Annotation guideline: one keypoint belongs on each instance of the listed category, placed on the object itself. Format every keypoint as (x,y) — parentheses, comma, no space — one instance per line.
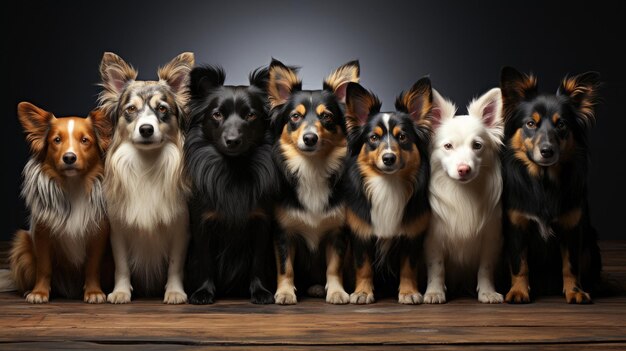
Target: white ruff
(388,196)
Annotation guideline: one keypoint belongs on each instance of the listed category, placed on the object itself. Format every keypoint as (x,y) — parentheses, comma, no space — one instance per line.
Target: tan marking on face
(536,117)
(367,162)
(358,226)
(320,109)
(301,109)
(555,117)
(291,137)
(521,147)
(378,131)
(332,143)
(411,159)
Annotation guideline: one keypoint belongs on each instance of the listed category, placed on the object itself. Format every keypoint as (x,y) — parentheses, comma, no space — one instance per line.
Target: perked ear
(417,101)
(115,74)
(176,72)
(337,82)
(441,110)
(259,78)
(283,81)
(36,123)
(102,127)
(360,104)
(488,107)
(583,93)
(516,87)
(204,79)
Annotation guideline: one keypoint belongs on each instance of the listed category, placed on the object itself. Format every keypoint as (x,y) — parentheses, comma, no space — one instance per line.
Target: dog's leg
(285,288)
(516,226)
(571,234)
(41,291)
(364,282)
(435,263)
(491,248)
(200,267)
(95,253)
(335,249)
(259,294)
(179,239)
(408,292)
(122,290)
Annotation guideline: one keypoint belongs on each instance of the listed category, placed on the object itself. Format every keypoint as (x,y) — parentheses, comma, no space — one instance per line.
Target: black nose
(69,158)
(146,130)
(547,151)
(309,139)
(389,159)
(232,141)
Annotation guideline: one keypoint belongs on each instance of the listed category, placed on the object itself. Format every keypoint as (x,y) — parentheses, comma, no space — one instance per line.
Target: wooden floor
(548,323)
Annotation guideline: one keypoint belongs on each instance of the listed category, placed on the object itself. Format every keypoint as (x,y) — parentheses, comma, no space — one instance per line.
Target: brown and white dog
(63,191)
(144,187)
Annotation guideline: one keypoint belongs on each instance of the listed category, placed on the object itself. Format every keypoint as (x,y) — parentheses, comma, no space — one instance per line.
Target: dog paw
(202,297)
(119,297)
(577,296)
(262,297)
(175,297)
(362,297)
(338,297)
(410,298)
(316,291)
(490,297)
(517,296)
(435,297)
(94,296)
(285,298)
(37,297)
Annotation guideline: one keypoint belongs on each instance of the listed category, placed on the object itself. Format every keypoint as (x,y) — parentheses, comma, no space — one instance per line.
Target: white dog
(465,234)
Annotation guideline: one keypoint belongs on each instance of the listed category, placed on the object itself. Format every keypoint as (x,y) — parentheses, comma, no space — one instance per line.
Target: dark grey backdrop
(53,50)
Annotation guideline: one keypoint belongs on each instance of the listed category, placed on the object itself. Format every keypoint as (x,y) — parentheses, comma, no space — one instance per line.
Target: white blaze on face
(70,133)
(386,123)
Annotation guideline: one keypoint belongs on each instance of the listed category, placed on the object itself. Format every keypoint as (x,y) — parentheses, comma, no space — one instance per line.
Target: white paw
(435,297)
(410,298)
(175,297)
(362,298)
(35,297)
(338,297)
(119,297)
(285,298)
(490,297)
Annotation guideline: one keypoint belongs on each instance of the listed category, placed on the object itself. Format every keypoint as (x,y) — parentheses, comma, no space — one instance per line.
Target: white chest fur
(388,197)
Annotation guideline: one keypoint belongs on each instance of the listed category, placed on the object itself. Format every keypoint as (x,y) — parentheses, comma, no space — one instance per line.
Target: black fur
(230,250)
(548,197)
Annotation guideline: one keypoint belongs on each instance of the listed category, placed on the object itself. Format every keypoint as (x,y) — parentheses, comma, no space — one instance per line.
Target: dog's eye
(447,146)
(477,145)
(84,141)
(162,109)
(374,138)
(131,109)
(251,116)
(560,124)
(402,137)
(295,117)
(531,124)
(217,116)
(327,117)
(57,140)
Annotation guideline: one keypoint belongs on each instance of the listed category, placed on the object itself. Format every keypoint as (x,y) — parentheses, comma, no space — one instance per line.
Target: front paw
(175,297)
(202,297)
(94,296)
(362,297)
(410,298)
(338,297)
(38,297)
(435,297)
(577,296)
(118,297)
(490,297)
(517,296)
(261,296)
(285,298)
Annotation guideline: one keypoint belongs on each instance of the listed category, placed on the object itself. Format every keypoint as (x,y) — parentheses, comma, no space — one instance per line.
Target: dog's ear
(260,78)
(115,74)
(488,107)
(176,72)
(360,104)
(417,101)
(582,91)
(283,81)
(441,110)
(204,79)
(516,87)
(102,127)
(36,124)
(337,82)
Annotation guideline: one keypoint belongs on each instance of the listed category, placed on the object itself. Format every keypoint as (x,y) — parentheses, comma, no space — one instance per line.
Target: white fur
(388,197)
(465,229)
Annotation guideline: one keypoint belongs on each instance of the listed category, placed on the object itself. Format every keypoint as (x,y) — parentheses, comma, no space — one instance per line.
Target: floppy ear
(176,72)
(441,110)
(360,104)
(488,107)
(583,93)
(418,101)
(337,82)
(115,74)
(102,127)
(36,123)
(282,81)
(516,87)
(204,79)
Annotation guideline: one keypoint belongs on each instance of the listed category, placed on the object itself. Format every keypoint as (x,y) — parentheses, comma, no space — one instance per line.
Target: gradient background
(54,49)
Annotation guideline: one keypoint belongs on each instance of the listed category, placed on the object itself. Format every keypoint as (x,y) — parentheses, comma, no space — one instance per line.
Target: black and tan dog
(387,193)
(545,163)
(310,150)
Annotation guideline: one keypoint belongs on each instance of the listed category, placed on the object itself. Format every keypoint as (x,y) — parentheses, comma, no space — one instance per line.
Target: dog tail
(22,261)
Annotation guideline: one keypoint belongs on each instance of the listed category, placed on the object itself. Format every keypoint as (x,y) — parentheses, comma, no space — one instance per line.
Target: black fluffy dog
(228,155)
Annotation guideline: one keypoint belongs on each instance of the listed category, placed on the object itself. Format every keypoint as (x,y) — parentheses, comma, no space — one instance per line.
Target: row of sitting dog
(270,191)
